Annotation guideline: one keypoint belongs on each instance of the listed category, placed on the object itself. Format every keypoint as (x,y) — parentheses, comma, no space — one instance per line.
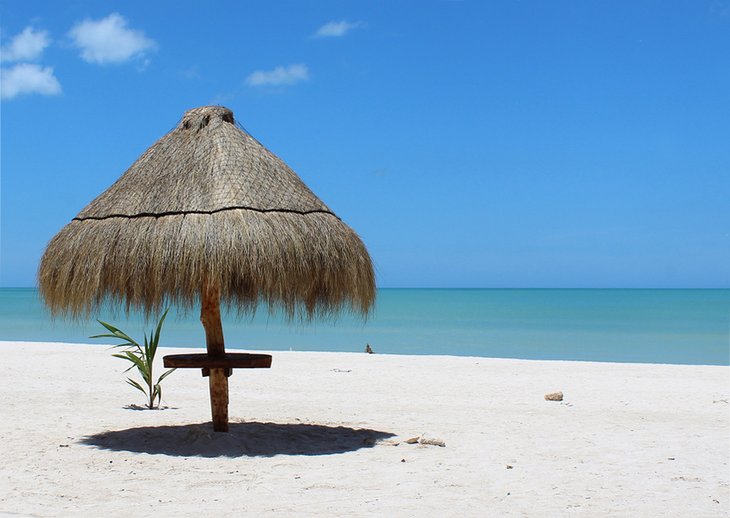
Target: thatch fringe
(309,266)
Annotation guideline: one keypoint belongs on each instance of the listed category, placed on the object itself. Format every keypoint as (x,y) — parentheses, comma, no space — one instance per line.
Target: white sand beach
(323,434)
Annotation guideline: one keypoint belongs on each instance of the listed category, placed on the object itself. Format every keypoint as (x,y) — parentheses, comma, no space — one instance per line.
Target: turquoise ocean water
(656,326)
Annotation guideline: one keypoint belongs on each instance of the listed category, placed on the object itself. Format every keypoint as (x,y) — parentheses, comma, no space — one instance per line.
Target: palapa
(208,215)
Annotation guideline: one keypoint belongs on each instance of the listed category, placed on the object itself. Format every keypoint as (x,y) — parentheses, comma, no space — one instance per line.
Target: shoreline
(164,349)
(325,433)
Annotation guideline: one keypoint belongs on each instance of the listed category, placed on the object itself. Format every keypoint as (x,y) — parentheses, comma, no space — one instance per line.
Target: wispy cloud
(280,76)
(191,73)
(336,29)
(720,8)
(109,40)
(26,46)
(28,78)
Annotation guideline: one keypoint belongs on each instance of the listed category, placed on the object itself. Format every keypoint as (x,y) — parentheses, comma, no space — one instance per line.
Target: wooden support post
(210,316)
(218,385)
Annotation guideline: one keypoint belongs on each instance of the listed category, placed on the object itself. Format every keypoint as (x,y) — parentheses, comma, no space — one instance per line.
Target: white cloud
(336,29)
(26,46)
(109,40)
(280,76)
(27,78)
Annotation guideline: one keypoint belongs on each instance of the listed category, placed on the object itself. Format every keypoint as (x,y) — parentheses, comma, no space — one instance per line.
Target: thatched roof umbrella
(208,215)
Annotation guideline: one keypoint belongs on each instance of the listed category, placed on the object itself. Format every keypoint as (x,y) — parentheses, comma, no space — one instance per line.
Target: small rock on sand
(428,441)
(554,396)
(432,442)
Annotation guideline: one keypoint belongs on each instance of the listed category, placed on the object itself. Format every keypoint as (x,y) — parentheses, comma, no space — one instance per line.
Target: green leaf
(117,333)
(125,357)
(148,354)
(156,339)
(165,375)
(136,385)
(157,393)
(129,355)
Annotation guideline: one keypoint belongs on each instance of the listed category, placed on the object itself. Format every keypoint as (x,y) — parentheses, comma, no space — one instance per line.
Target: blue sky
(469,143)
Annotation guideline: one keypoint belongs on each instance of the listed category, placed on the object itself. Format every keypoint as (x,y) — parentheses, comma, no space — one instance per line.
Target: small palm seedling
(141,357)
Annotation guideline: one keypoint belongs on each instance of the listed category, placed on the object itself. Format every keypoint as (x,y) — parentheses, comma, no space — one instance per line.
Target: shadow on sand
(242,440)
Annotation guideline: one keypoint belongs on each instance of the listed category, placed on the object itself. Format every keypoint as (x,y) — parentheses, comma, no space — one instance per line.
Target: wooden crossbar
(227,362)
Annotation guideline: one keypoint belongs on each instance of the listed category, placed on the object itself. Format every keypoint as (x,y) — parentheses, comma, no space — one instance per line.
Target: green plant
(141,357)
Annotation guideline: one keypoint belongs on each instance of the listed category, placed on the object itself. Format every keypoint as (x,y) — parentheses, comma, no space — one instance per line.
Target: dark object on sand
(368,349)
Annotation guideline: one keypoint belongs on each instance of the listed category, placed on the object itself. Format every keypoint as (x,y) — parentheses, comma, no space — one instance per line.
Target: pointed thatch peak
(199,118)
(205,165)
(207,204)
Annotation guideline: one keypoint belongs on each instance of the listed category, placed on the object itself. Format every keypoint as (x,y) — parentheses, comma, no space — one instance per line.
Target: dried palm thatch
(207,205)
